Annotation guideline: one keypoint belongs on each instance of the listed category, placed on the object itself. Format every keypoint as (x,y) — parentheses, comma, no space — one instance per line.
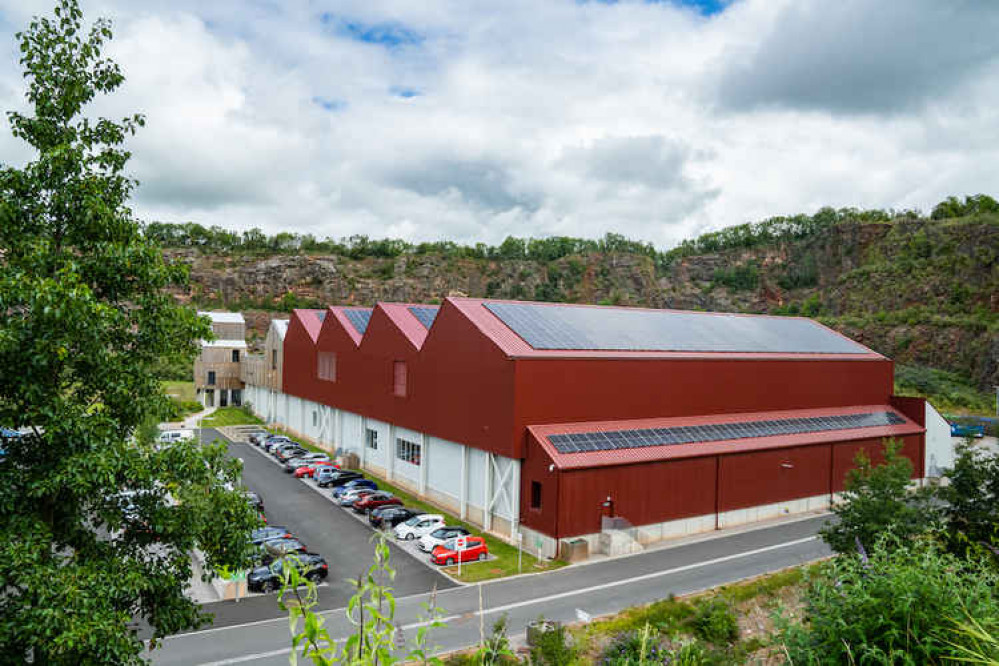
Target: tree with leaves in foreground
(96,528)
(877,498)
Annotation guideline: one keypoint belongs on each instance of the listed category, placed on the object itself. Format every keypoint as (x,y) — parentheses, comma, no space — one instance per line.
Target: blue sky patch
(389,34)
(404,92)
(329,104)
(706,7)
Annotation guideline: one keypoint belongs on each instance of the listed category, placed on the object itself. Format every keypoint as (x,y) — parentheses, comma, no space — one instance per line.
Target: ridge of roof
(311,320)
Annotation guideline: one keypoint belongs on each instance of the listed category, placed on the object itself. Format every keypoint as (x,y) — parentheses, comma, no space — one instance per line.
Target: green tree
(96,528)
(901,605)
(877,499)
(971,500)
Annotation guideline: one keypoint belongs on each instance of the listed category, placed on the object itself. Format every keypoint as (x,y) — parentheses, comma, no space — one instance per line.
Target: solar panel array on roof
(425,314)
(623,329)
(632,439)
(358,318)
(321,314)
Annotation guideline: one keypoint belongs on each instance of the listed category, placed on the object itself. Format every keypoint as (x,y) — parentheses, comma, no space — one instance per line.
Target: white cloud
(548,117)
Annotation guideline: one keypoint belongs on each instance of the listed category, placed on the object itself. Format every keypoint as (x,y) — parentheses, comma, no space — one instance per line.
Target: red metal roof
(589,459)
(516,347)
(406,321)
(311,321)
(336,312)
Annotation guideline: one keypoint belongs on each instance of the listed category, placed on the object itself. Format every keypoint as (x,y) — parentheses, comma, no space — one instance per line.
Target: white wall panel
(444,472)
(476,477)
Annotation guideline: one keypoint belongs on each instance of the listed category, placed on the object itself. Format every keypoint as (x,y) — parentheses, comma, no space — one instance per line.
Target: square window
(211,378)
(235,356)
(536,495)
(407,451)
(274,359)
(326,366)
(371,438)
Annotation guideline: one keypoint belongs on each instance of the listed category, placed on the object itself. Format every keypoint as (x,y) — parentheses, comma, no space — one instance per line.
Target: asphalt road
(324,528)
(592,589)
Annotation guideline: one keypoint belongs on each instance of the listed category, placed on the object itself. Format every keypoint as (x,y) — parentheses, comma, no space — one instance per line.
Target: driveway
(324,528)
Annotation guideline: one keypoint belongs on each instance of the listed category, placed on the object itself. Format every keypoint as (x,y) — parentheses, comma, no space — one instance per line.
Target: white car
(417,526)
(439,536)
(172,436)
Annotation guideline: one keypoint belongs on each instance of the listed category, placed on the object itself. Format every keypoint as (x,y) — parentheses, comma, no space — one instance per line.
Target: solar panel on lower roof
(321,315)
(425,314)
(605,440)
(358,318)
(622,329)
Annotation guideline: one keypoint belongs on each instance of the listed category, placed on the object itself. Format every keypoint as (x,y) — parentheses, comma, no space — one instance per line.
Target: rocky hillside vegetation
(923,290)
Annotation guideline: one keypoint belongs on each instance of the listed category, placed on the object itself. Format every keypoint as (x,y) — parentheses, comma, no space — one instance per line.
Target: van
(173,436)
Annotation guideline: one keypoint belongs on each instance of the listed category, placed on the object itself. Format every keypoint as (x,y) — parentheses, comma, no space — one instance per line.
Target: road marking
(518,604)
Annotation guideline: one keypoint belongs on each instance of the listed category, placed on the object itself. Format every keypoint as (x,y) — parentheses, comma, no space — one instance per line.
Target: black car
(389,516)
(257,537)
(269,578)
(275,549)
(337,477)
(284,444)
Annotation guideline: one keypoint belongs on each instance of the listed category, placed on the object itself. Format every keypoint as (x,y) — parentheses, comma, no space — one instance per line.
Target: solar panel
(321,315)
(607,440)
(425,314)
(622,329)
(358,318)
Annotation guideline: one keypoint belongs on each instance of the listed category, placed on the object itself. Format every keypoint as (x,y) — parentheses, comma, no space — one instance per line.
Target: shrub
(553,648)
(715,622)
(899,605)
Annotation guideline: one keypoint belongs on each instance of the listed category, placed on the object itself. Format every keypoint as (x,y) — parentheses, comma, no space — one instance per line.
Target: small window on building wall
(536,495)
(371,438)
(235,356)
(211,378)
(326,366)
(274,359)
(315,418)
(399,379)
(407,451)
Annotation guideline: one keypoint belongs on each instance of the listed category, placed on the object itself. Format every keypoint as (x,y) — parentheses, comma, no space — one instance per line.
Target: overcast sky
(471,121)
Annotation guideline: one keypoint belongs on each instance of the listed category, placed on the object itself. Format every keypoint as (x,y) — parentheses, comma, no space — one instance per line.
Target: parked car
(417,526)
(335,477)
(966,430)
(292,464)
(310,468)
(351,485)
(375,500)
(275,440)
(255,500)
(257,437)
(447,553)
(441,535)
(276,548)
(389,516)
(259,536)
(269,577)
(348,498)
(288,452)
(173,436)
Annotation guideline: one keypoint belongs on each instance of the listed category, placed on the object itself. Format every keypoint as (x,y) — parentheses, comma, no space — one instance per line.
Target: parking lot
(343,540)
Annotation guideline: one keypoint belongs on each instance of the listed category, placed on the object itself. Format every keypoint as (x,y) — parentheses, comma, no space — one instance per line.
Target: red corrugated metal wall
(559,390)
(671,490)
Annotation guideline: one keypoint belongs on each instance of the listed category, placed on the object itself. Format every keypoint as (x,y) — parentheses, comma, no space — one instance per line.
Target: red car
(376,500)
(310,469)
(475,549)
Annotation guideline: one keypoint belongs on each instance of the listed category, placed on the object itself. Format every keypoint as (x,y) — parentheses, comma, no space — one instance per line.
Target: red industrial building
(570,421)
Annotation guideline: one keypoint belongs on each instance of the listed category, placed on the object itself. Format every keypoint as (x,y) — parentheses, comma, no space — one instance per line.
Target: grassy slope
(180,390)
(229,416)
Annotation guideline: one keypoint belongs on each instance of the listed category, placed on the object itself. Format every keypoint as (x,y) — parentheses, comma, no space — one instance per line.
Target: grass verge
(182,391)
(230,416)
(505,562)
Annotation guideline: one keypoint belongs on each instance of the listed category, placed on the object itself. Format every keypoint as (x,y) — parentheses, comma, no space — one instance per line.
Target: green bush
(898,605)
(553,648)
(715,621)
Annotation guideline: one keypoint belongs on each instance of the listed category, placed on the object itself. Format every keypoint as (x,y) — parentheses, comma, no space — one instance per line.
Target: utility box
(350,461)
(575,550)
